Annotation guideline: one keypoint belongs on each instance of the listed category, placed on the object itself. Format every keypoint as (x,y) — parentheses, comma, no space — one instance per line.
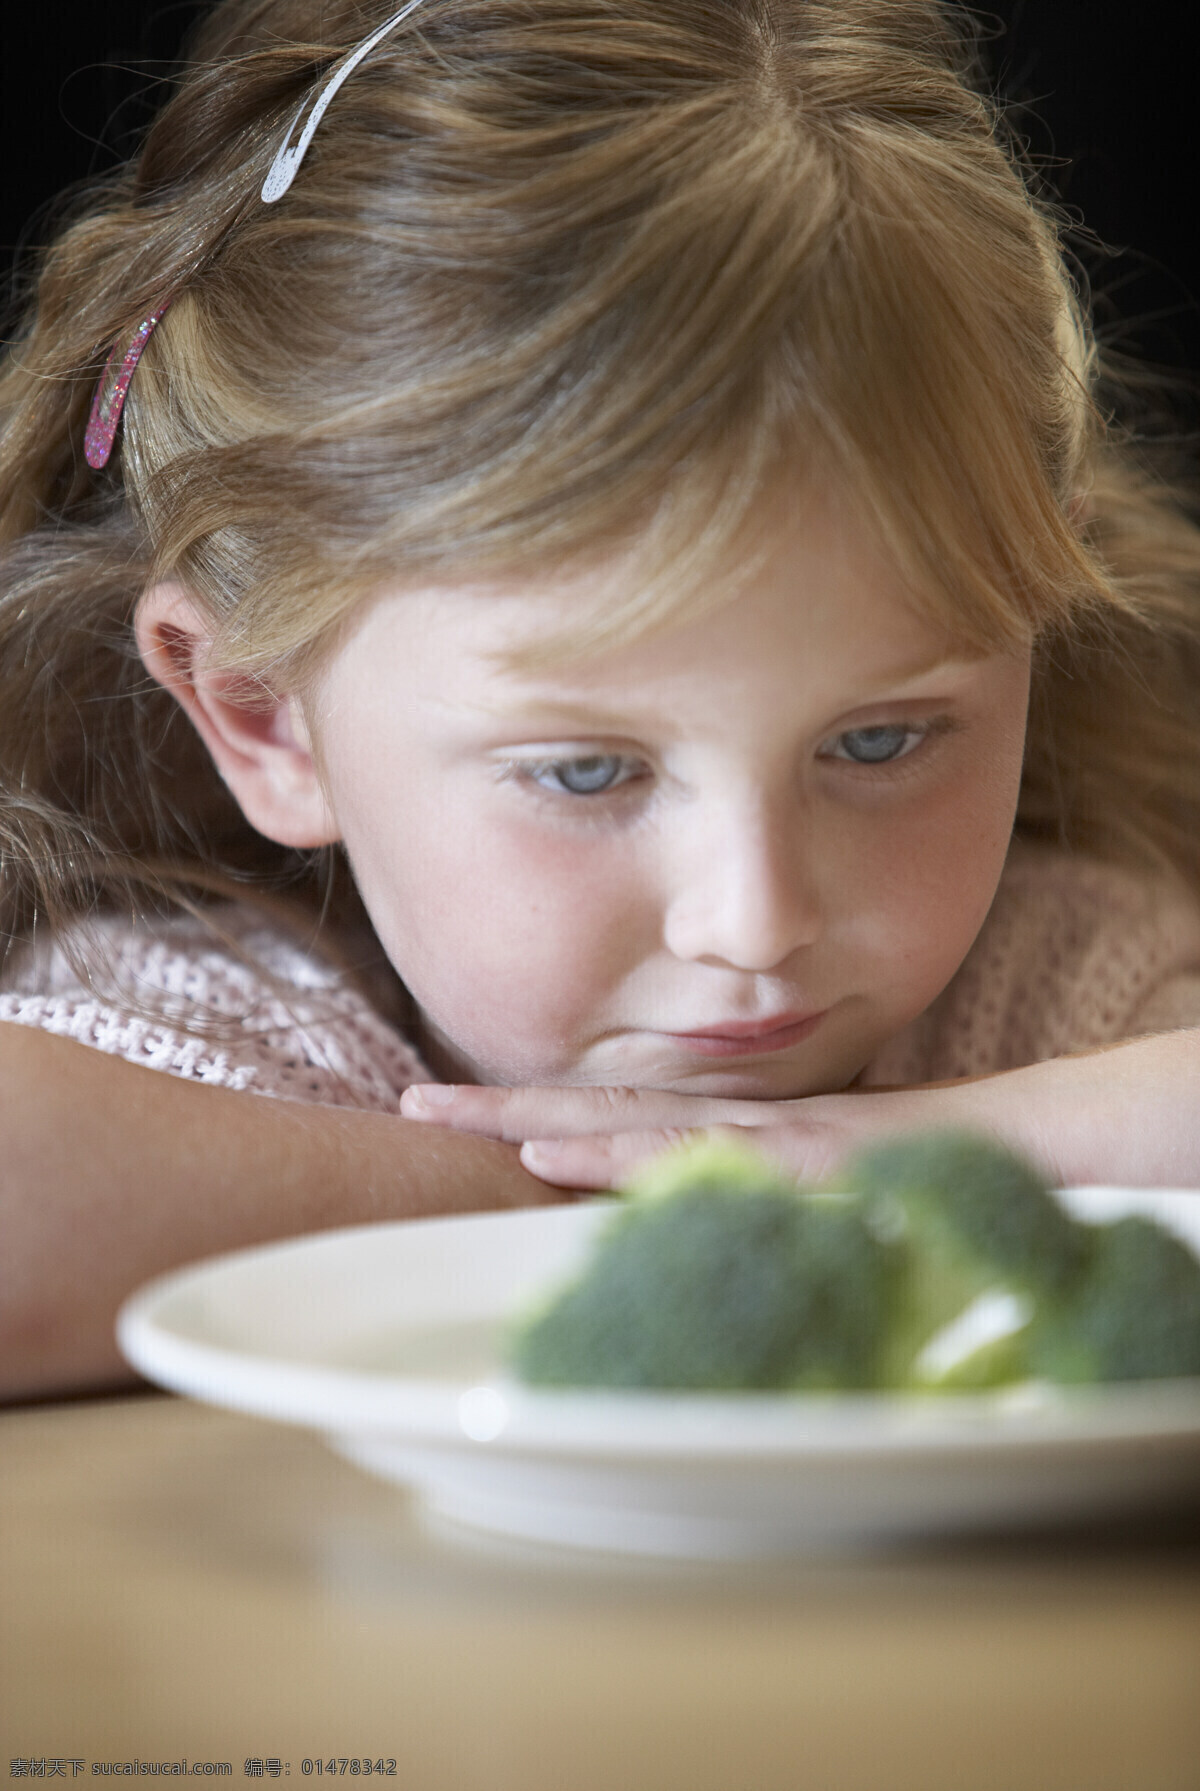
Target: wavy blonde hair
(559,274)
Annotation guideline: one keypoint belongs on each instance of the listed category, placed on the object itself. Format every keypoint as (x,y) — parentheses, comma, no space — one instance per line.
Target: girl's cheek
(560,870)
(920,876)
(530,911)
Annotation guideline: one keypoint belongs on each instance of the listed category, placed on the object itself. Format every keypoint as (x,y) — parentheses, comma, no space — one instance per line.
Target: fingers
(512,1115)
(808,1151)
(592,1138)
(606,1161)
(597,1137)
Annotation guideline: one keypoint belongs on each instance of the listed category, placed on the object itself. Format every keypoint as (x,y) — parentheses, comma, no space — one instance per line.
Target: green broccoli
(1134,1314)
(936,1261)
(975,1203)
(984,1241)
(718,1275)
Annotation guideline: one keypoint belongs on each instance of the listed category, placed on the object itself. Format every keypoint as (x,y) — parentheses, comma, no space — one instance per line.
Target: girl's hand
(595,1137)
(1125,1114)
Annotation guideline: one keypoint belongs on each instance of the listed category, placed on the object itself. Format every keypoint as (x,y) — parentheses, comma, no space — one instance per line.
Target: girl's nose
(744,895)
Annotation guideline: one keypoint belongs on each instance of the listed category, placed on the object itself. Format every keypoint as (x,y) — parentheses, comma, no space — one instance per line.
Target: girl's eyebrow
(558,711)
(939,665)
(537,709)
(892,683)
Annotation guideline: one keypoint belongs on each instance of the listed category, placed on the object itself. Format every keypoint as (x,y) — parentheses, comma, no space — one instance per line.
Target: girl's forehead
(807,541)
(817,600)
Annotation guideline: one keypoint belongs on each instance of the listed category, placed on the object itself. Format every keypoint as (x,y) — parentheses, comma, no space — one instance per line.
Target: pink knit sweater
(1073,954)
(255,1010)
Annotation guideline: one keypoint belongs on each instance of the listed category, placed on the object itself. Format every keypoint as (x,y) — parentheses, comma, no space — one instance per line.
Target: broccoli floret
(937,1261)
(976,1203)
(846,1280)
(998,1363)
(719,1275)
(976,1220)
(1135,1314)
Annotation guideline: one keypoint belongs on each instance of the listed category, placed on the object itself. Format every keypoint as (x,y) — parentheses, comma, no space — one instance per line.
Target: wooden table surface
(177,1582)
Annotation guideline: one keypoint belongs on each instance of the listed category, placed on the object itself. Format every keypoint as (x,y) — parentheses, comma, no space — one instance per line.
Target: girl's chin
(761,1079)
(649,1060)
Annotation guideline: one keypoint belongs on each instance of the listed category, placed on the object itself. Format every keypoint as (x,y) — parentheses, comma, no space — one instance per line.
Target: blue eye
(581,777)
(876,746)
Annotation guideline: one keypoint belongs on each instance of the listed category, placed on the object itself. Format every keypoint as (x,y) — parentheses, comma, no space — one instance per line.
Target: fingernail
(541,1151)
(423,1095)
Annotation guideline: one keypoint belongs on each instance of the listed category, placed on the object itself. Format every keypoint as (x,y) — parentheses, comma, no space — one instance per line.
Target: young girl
(613,606)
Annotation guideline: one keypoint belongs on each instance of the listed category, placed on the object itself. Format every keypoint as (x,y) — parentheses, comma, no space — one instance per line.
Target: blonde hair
(557,277)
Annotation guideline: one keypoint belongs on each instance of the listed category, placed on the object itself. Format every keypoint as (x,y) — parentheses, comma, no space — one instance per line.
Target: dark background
(1113,120)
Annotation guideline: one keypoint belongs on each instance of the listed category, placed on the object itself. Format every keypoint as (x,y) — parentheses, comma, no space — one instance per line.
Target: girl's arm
(1127,1114)
(112,1173)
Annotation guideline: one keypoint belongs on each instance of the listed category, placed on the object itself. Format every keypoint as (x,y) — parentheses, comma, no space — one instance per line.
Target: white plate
(385,1337)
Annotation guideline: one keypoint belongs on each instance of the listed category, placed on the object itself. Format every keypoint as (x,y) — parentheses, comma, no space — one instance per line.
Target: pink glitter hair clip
(109,401)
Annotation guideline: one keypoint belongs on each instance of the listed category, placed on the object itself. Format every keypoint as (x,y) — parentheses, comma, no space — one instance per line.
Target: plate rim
(600,1424)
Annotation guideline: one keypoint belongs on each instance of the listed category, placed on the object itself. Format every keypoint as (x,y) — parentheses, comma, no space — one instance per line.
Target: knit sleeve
(235,1003)
(1073,955)
(1175,1004)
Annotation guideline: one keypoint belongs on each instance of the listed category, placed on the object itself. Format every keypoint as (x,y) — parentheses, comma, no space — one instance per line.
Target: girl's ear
(257,738)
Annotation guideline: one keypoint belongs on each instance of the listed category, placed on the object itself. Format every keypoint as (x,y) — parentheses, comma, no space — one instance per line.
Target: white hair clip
(286,165)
